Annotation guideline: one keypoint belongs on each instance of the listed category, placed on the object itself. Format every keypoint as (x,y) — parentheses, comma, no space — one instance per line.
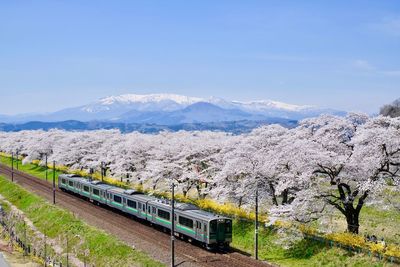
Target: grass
(33,169)
(105,250)
(302,253)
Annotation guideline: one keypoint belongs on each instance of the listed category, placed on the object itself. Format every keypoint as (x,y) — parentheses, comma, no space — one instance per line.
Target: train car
(190,222)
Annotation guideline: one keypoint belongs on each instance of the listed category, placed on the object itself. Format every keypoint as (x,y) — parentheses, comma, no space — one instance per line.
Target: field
(303,253)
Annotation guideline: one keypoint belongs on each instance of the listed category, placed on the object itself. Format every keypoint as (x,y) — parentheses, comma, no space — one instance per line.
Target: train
(190,222)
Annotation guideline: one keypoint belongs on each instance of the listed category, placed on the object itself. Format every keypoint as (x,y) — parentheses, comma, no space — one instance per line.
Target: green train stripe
(163,220)
(86,193)
(117,204)
(132,209)
(95,196)
(185,229)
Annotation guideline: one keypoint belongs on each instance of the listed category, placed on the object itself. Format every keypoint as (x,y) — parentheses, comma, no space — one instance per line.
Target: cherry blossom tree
(301,173)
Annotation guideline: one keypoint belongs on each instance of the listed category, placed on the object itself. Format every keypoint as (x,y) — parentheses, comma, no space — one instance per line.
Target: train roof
(74,177)
(188,209)
(145,198)
(102,185)
(205,215)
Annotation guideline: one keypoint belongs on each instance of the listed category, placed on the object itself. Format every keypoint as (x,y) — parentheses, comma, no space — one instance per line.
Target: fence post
(54,182)
(46,166)
(12,166)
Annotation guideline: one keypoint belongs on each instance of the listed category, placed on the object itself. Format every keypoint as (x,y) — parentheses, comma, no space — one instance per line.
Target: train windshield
(228,226)
(213,227)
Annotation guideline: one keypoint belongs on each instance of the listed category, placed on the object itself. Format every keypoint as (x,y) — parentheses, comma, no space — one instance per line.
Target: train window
(213,227)
(175,217)
(86,188)
(148,209)
(131,204)
(63,181)
(228,226)
(205,228)
(164,214)
(140,205)
(117,199)
(186,222)
(71,183)
(154,210)
(96,192)
(198,225)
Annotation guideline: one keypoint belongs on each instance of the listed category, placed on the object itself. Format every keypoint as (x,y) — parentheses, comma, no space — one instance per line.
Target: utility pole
(26,242)
(45,248)
(102,171)
(67,250)
(46,167)
(256,227)
(54,182)
(17,158)
(173,226)
(12,166)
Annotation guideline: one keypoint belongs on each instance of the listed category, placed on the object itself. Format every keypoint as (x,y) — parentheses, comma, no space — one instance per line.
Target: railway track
(133,232)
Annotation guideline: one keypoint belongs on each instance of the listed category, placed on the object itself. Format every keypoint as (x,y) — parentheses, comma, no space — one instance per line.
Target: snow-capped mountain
(152,102)
(171,109)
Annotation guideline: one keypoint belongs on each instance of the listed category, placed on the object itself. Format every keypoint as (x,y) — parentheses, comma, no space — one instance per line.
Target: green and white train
(191,223)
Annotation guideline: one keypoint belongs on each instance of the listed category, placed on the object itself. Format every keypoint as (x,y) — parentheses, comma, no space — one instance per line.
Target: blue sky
(340,54)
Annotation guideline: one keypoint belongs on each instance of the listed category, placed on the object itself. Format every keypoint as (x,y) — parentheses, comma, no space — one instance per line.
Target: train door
(108,197)
(144,210)
(101,195)
(221,230)
(205,233)
(199,230)
(153,214)
(149,215)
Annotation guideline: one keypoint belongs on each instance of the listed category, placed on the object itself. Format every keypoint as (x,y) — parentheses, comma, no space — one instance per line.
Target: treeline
(391,110)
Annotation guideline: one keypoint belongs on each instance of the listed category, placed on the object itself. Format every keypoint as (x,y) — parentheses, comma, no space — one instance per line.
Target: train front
(220,234)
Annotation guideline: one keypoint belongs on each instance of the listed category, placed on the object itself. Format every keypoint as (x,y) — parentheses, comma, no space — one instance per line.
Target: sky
(338,54)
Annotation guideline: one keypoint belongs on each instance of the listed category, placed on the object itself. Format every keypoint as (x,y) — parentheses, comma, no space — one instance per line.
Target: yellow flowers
(347,239)
(358,241)
(392,250)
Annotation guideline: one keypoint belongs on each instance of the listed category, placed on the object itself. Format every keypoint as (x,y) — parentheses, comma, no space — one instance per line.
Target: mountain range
(157,112)
(170,109)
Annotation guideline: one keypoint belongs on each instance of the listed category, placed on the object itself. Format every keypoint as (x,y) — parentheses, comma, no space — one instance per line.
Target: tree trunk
(353,213)
(285,196)
(345,204)
(274,200)
(352,219)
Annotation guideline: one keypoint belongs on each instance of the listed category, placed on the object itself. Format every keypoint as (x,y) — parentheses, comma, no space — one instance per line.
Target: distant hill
(235,127)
